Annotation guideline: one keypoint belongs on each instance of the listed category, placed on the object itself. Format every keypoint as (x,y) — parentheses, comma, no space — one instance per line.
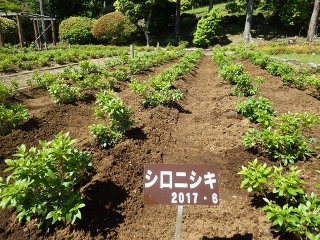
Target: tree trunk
(313,22)
(247,28)
(177,23)
(146,29)
(1,36)
(210,5)
(42,12)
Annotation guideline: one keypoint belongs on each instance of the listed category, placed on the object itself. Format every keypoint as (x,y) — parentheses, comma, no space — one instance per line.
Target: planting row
(45,183)
(158,90)
(301,78)
(28,60)
(14,59)
(283,138)
(68,86)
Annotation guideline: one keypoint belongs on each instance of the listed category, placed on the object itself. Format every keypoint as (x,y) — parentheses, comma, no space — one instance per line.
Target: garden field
(201,128)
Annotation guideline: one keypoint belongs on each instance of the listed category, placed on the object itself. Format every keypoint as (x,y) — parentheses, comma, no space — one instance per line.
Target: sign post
(180,184)
(179,221)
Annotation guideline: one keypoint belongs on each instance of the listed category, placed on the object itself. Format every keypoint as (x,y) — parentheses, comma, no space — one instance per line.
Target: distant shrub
(188,21)
(113,28)
(76,30)
(9,29)
(208,28)
(185,5)
(234,7)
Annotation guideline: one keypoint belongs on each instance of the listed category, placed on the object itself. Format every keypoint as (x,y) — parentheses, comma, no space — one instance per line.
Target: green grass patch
(302,57)
(199,12)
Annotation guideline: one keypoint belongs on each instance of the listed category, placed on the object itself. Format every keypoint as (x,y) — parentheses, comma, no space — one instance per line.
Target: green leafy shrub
(220,59)
(235,75)
(256,110)
(158,90)
(231,71)
(299,214)
(283,138)
(234,7)
(260,178)
(76,30)
(63,93)
(6,65)
(44,80)
(120,119)
(4,92)
(302,220)
(255,176)
(244,86)
(315,82)
(261,60)
(11,116)
(9,29)
(45,182)
(273,68)
(113,28)
(120,74)
(208,28)
(14,86)
(93,81)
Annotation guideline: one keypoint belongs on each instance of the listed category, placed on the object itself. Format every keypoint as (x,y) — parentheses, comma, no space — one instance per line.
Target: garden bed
(202,128)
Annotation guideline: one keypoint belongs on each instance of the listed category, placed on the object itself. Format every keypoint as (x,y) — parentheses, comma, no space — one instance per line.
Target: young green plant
(109,105)
(45,183)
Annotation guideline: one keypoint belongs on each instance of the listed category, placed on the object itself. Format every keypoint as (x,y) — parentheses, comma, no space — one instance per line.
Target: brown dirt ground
(202,128)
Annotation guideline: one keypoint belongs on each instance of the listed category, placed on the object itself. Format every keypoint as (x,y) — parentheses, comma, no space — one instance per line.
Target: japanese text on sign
(180,184)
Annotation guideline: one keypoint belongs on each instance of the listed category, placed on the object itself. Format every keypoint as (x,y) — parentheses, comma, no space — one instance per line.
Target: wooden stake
(53,33)
(35,28)
(19,30)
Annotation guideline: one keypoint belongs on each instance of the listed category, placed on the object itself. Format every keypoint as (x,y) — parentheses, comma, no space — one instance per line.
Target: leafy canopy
(208,28)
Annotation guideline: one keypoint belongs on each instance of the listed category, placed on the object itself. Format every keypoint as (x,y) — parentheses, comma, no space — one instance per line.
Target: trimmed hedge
(76,30)
(113,28)
(9,29)
(209,28)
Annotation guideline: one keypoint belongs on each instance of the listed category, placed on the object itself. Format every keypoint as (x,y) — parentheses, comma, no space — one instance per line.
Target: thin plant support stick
(179,221)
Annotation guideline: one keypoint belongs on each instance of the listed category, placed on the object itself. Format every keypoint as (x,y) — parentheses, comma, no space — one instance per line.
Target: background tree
(289,12)
(11,6)
(9,29)
(296,13)
(113,28)
(209,28)
(177,22)
(247,27)
(210,5)
(138,13)
(151,16)
(76,30)
(313,22)
(43,22)
(62,9)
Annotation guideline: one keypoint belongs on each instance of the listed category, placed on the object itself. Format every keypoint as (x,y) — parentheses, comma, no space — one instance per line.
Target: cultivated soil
(203,128)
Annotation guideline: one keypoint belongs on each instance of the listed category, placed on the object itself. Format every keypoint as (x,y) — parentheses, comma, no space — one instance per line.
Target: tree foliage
(162,12)
(290,12)
(9,29)
(11,6)
(62,9)
(208,28)
(76,30)
(296,13)
(114,28)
